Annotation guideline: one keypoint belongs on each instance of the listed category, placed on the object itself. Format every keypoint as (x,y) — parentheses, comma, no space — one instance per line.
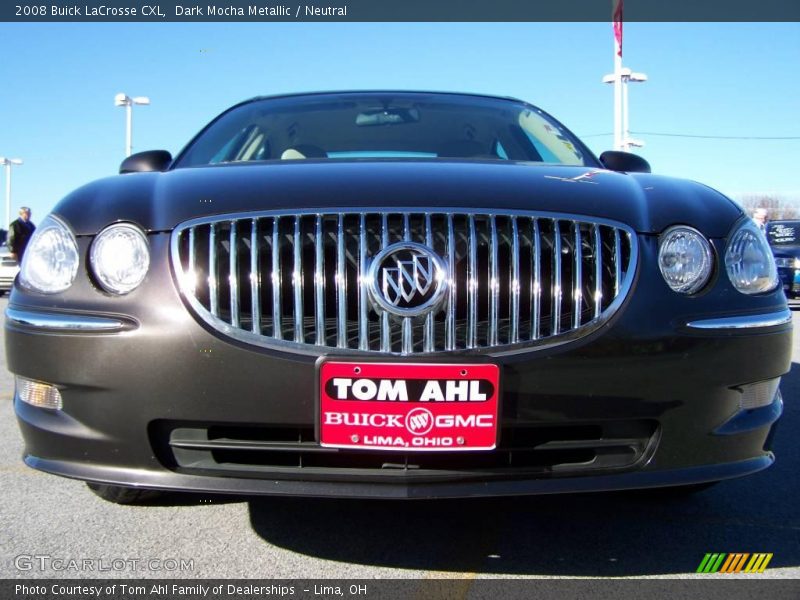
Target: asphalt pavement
(48,521)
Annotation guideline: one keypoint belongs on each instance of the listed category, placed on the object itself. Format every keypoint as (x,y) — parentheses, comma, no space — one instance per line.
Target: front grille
(532,449)
(301,279)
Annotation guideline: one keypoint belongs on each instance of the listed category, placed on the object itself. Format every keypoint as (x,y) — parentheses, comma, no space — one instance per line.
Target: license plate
(408,407)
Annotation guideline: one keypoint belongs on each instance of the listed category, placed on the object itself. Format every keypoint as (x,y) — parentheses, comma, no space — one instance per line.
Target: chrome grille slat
(233,275)
(536,281)
(598,270)
(319,282)
(255,280)
(341,286)
(472,287)
(617,261)
(386,333)
(494,283)
(577,282)
(428,341)
(363,309)
(192,270)
(518,279)
(450,318)
(212,271)
(297,284)
(555,314)
(514,283)
(408,340)
(277,319)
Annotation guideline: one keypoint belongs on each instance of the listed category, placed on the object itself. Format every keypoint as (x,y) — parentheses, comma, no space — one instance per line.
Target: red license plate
(408,407)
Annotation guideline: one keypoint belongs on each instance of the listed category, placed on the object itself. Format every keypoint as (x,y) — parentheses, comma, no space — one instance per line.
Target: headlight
(749,261)
(120,258)
(50,262)
(685,260)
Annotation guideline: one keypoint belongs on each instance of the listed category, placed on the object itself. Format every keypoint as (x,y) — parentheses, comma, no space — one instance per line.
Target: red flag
(616,15)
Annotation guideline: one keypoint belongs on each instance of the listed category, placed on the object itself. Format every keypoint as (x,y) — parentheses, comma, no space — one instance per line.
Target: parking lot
(620,535)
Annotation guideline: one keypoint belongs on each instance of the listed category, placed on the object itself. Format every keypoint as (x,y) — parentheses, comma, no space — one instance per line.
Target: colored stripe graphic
(722,562)
(758,563)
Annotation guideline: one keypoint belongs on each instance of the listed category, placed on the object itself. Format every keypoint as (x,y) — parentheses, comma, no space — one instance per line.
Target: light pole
(623,76)
(7,162)
(629,76)
(128,102)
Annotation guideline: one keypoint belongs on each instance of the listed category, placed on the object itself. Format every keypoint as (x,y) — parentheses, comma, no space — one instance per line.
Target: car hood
(160,201)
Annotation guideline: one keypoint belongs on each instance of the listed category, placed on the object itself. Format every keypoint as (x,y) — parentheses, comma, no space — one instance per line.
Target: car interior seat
(303,151)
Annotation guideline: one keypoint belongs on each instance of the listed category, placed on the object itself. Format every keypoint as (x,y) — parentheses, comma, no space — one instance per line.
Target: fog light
(758,394)
(39,394)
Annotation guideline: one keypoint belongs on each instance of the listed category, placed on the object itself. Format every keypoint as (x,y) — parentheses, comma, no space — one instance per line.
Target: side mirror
(141,162)
(623,161)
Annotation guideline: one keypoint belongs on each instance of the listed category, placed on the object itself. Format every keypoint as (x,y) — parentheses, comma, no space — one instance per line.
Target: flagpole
(616,11)
(618,141)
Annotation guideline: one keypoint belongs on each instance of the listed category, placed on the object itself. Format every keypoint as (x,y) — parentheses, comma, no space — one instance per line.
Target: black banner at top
(155,11)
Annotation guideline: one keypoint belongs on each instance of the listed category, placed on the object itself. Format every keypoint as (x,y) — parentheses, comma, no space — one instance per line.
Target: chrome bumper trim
(64,322)
(774,319)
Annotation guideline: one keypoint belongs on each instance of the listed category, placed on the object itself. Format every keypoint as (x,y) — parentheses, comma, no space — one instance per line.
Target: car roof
(378,91)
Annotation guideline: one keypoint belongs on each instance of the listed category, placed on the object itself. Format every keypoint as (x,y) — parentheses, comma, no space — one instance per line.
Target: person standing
(760,218)
(20,232)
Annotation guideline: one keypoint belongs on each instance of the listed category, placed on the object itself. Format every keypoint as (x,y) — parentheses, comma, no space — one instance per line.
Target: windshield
(786,233)
(381,125)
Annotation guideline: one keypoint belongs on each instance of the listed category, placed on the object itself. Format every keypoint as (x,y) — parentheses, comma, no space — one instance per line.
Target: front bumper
(650,399)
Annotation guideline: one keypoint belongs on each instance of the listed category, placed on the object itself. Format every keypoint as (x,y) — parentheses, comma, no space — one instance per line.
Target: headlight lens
(685,260)
(50,262)
(749,261)
(120,258)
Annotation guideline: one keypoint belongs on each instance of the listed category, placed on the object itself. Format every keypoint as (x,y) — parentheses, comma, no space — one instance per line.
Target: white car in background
(9,267)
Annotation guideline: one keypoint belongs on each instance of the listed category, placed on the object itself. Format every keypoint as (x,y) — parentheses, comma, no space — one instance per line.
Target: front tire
(123,495)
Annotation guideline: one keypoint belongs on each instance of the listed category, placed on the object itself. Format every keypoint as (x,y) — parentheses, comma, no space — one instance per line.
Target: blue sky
(57,83)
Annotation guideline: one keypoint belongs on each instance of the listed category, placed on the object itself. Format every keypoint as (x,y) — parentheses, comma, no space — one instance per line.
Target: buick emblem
(407,279)
(419,421)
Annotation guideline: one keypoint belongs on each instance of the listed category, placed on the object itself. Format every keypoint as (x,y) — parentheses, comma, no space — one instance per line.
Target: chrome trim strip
(63,321)
(255,281)
(774,319)
(233,274)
